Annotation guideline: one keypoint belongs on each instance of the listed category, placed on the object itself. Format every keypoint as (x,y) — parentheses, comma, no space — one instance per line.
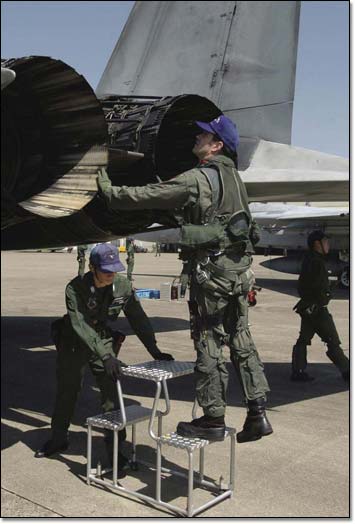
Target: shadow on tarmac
(28,384)
(172,487)
(289,287)
(75,459)
(32,332)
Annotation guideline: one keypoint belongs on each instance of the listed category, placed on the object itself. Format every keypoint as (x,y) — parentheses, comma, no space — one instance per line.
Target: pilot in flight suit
(211,206)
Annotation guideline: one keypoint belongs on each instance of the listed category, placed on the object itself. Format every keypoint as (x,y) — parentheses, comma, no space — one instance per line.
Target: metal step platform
(159,372)
(189,443)
(114,420)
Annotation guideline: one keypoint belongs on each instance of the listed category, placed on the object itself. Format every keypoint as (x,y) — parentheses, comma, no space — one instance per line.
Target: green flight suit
(81,259)
(314,290)
(221,313)
(130,259)
(83,337)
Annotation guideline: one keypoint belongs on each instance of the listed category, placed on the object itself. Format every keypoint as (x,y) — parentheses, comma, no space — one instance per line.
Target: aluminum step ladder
(158,372)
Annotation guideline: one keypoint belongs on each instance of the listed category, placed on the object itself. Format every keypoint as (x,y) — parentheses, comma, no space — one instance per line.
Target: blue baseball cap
(105,258)
(225,129)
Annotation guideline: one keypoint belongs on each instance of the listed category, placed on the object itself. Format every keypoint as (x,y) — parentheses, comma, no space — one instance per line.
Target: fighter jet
(233,57)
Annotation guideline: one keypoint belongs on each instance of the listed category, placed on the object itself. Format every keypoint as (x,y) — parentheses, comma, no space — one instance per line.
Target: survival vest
(227,223)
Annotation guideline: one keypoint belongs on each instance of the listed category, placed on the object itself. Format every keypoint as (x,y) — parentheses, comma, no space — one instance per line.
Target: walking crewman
(81,259)
(130,257)
(314,290)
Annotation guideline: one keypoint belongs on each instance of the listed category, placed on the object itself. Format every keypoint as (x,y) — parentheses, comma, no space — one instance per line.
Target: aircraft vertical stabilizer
(240,55)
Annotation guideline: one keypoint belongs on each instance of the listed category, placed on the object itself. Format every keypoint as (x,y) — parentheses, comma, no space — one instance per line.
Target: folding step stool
(158,372)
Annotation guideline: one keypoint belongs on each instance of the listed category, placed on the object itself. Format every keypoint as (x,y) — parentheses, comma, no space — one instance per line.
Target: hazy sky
(83,34)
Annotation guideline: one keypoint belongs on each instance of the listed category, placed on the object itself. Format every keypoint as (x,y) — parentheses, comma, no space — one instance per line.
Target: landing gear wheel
(344,278)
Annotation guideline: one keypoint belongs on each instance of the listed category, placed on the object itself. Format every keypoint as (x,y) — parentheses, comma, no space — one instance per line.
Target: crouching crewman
(83,337)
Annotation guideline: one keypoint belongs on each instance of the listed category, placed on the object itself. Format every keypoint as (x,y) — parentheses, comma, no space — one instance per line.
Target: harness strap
(212,176)
(221,272)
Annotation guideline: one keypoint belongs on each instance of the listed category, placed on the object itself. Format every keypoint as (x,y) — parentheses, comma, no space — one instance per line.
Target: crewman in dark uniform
(217,236)
(81,259)
(83,337)
(130,257)
(315,292)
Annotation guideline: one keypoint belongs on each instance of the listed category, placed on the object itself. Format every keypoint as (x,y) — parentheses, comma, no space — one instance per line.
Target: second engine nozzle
(52,142)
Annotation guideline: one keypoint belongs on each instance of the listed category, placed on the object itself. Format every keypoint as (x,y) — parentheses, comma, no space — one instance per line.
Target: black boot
(208,428)
(337,356)
(256,424)
(58,443)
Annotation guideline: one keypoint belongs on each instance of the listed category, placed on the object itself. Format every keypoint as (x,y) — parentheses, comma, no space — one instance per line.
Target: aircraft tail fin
(239,54)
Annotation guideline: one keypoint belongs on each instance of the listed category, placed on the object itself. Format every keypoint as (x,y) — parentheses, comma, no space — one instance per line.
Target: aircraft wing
(268,212)
(295,186)
(274,172)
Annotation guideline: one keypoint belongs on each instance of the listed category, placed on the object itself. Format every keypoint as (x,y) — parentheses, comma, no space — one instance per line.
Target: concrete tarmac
(302,470)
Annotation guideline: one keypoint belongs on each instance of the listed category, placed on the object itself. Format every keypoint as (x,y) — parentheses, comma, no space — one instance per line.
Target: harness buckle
(204,261)
(217,254)
(201,275)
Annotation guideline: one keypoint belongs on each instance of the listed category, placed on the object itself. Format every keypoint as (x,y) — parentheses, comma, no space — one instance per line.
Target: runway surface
(302,470)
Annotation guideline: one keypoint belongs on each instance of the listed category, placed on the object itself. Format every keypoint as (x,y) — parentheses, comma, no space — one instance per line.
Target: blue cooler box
(148,293)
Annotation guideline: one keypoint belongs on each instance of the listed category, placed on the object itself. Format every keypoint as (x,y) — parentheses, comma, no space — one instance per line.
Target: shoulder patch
(121,287)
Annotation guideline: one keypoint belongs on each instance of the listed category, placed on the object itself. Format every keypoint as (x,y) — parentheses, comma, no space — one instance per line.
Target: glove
(163,356)
(103,180)
(113,367)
